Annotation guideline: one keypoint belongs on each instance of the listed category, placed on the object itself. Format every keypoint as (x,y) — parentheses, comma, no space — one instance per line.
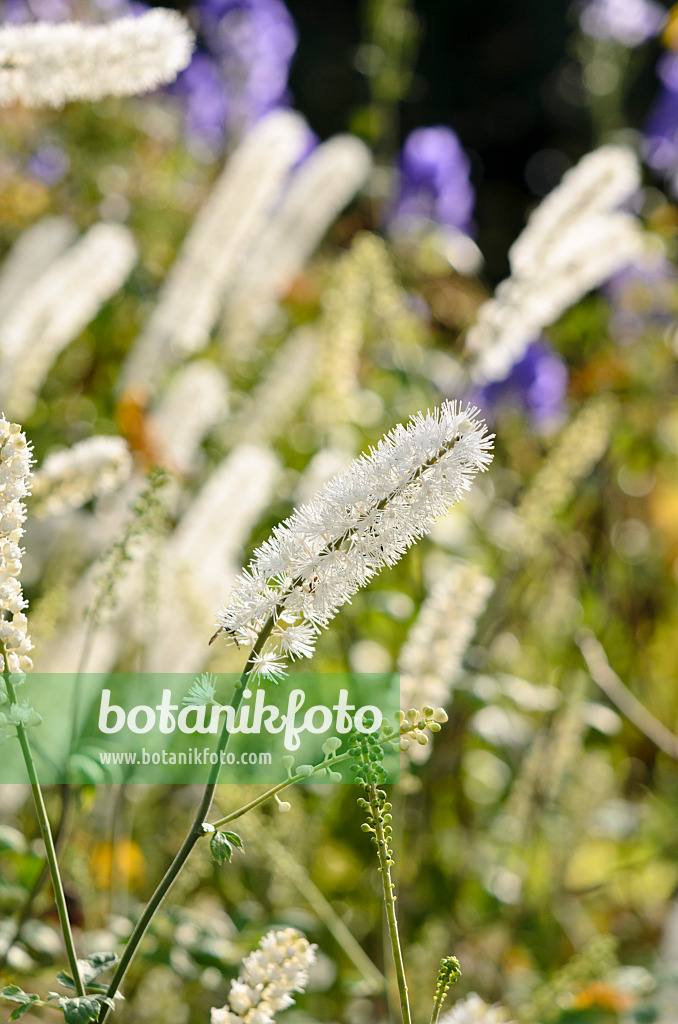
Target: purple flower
(48,164)
(661,127)
(536,385)
(642,296)
(629,22)
(434,183)
(202,88)
(242,69)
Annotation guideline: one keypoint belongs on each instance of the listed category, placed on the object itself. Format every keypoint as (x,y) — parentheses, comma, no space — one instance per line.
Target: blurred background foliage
(538,842)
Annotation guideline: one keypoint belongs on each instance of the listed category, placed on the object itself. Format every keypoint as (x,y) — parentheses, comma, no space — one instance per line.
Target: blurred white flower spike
(361,521)
(69,478)
(268,977)
(574,241)
(47,65)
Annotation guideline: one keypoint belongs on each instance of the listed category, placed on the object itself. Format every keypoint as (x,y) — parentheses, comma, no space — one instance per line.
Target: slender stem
(607,679)
(195,832)
(50,850)
(276,789)
(389,902)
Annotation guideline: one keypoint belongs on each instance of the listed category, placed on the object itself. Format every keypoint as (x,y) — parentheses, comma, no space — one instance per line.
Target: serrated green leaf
(96,964)
(21,1010)
(65,980)
(17,995)
(235,840)
(80,1010)
(220,847)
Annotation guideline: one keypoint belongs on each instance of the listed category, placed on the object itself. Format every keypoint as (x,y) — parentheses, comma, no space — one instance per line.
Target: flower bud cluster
(413,722)
(268,977)
(15,470)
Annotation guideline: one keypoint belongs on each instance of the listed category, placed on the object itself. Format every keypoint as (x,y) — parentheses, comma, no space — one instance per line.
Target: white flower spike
(46,65)
(268,977)
(361,521)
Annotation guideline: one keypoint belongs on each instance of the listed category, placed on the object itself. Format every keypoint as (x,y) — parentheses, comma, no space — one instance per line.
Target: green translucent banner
(172,728)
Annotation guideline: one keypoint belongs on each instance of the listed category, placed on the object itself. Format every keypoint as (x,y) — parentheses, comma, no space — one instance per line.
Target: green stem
(276,789)
(389,902)
(195,832)
(50,850)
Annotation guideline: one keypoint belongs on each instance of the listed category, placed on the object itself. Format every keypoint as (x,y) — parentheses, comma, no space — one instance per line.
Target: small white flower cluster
(474,1010)
(360,522)
(267,979)
(47,65)
(15,470)
(575,240)
(69,478)
(430,659)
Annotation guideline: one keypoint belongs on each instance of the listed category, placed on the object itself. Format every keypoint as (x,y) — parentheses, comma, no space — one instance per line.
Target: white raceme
(430,661)
(267,979)
(573,242)
(46,64)
(69,478)
(223,232)
(15,472)
(57,307)
(474,1010)
(361,521)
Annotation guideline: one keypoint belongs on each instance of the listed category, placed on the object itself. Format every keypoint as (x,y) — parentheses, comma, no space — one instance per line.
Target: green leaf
(220,847)
(80,1010)
(17,995)
(96,964)
(21,1010)
(65,980)
(235,840)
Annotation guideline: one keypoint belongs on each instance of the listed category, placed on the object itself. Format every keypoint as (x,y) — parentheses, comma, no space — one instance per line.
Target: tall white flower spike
(361,521)
(573,242)
(46,65)
(217,244)
(267,979)
(318,192)
(15,472)
(430,660)
(57,307)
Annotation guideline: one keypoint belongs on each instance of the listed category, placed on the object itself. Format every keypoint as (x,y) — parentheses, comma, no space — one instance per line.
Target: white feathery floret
(215,248)
(317,193)
(267,979)
(572,243)
(89,469)
(197,397)
(46,64)
(30,256)
(57,307)
(361,521)
(430,661)
(474,1010)
(15,472)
